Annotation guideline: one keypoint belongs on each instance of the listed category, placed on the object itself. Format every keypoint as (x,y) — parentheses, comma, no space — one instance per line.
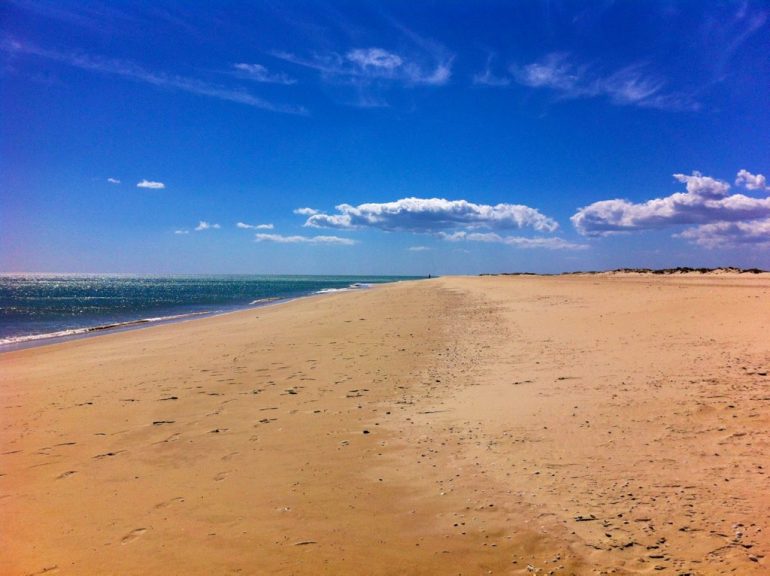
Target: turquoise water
(37,308)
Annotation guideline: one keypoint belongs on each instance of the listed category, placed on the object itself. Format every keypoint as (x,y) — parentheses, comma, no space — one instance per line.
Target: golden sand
(607,424)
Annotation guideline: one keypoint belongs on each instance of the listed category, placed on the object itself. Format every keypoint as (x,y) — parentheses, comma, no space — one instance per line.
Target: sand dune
(614,424)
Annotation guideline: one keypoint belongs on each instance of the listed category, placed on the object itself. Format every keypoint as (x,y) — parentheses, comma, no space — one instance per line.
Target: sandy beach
(587,424)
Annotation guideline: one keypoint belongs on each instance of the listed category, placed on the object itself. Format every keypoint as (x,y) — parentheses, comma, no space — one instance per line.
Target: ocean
(42,308)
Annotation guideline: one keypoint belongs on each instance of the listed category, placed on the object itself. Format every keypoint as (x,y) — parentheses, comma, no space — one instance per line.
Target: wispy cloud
(548,242)
(203,225)
(181,231)
(432,215)
(726,34)
(132,71)
(92,17)
(418,248)
(375,59)
(260,73)
(488,78)
(632,85)
(429,51)
(113,180)
(245,226)
(280,239)
(365,66)
(151,185)
(706,202)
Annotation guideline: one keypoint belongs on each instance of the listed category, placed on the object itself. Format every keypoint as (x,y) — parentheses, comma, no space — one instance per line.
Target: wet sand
(607,424)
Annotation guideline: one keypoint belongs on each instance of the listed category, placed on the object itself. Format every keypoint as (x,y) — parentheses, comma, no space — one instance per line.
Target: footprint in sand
(133,535)
(65,474)
(108,454)
(175,436)
(167,503)
(47,570)
(221,476)
(229,457)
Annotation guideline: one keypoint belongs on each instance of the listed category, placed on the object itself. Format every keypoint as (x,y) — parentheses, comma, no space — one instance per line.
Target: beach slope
(510,425)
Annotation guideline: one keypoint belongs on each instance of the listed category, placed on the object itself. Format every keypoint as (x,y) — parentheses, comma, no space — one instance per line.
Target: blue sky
(393,137)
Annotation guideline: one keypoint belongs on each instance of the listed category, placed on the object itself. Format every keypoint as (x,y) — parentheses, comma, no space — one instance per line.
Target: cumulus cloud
(280,239)
(703,187)
(151,185)
(245,226)
(705,201)
(260,73)
(306,211)
(632,85)
(751,181)
(432,215)
(722,218)
(549,243)
(724,234)
(203,225)
(113,180)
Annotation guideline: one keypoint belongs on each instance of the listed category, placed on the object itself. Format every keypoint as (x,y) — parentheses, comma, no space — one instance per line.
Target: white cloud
(260,73)
(203,225)
(374,58)
(113,180)
(306,211)
(440,75)
(418,248)
(151,185)
(631,85)
(181,231)
(706,201)
(432,215)
(366,76)
(730,234)
(363,66)
(132,71)
(751,181)
(245,226)
(304,239)
(488,78)
(549,243)
(554,71)
(722,219)
(703,187)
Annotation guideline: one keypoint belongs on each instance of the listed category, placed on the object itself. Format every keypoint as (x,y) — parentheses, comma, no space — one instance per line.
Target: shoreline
(79,333)
(39,340)
(66,335)
(514,425)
